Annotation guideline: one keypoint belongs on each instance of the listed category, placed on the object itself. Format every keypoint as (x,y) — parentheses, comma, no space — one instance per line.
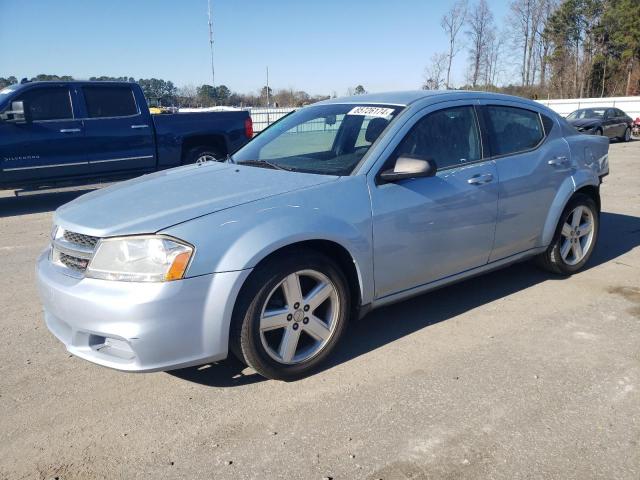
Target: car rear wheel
(575,237)
(202,155)
(290,315)
(599,131)
(627,135)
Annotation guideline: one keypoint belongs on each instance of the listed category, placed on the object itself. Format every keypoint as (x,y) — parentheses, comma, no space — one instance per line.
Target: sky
(320,46)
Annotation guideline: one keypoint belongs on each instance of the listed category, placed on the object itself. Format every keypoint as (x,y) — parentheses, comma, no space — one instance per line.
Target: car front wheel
(575,237)
(290,315)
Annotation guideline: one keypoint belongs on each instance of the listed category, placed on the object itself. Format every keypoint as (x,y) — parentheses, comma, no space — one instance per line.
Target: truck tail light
(248,127)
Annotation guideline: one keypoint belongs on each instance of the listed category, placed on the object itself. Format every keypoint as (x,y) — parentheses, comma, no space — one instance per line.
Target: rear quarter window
(513,129)
(109,101)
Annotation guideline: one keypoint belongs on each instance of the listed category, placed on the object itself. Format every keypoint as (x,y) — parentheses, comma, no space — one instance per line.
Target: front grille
(73,251)
(74,263)
(80,239)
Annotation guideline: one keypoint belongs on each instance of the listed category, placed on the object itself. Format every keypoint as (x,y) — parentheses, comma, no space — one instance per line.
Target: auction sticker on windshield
(372,111)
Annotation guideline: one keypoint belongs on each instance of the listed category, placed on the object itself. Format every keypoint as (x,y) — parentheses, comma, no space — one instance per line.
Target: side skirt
(427,287)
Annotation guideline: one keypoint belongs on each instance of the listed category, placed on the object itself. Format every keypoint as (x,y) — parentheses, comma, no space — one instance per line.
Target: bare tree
(492,56)
(434,72)
(187,96)
(520,22)
(451,23)
(480,22)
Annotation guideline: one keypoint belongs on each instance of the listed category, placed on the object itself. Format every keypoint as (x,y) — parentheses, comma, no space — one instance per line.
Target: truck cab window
(109,101)
(49,103)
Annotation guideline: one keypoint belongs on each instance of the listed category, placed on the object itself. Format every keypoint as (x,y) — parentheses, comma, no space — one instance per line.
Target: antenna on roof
(213,75)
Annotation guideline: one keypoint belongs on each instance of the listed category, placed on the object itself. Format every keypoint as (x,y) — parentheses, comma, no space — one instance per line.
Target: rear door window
(49,103)
(109,101)
(450,137)
(513,129)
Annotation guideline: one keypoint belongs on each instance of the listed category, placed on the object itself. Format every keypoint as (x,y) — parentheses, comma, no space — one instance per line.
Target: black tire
(245,340)
(627,135)
(551,260)
(599,132)
(192,155)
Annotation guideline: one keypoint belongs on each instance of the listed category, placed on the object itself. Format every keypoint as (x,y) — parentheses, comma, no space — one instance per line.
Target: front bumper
(140,326)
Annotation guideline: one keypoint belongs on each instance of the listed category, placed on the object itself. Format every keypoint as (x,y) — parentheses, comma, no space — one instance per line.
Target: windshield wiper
(264,163)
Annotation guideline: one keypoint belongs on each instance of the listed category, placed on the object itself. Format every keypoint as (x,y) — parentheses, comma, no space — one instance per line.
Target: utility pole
(213,75)
(267,87)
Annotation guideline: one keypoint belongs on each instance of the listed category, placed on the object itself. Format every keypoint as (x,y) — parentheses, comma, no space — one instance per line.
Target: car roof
(408,97)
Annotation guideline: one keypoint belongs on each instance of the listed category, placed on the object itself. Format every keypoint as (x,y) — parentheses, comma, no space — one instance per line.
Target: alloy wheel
(204,158)
(299,317)
(577,235)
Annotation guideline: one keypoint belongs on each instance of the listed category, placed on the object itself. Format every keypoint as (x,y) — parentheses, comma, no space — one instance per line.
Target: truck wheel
(575,237)
(201,155)
(290,315)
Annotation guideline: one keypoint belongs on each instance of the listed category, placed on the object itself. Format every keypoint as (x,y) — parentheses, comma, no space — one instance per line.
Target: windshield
(326,139)
(586,113)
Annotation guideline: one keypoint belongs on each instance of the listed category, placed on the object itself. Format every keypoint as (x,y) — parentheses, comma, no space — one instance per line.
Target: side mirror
(409,166)
(16,114)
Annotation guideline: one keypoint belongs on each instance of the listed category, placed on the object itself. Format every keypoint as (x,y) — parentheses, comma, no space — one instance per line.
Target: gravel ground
(512,375)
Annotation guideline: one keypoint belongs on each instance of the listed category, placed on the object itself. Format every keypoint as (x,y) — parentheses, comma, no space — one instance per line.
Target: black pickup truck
(54,133)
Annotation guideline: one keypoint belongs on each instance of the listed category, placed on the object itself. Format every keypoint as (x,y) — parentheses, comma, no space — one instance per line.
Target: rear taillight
(248,127)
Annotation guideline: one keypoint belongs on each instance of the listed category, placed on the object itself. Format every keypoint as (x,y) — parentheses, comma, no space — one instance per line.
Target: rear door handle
(70,130)
(479,179)
(139,126)
(558,161)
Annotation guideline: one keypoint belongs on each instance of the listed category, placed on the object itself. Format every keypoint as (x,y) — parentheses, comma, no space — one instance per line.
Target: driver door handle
(480,179)
(140,126)
(70,130)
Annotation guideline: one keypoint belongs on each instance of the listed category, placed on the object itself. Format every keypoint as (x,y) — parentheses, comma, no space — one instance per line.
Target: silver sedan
(338,208)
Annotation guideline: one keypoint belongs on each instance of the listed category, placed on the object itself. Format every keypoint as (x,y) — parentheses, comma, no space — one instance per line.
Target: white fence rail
(629,105)
(263,117)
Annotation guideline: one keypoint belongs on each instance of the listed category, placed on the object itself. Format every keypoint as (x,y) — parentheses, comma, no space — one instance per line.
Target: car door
(623,122)
(425,229)
(532,160)
(49,144)
(119,135)
(611,123)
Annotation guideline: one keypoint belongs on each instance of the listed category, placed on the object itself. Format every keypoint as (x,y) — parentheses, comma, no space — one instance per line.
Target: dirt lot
(512,375)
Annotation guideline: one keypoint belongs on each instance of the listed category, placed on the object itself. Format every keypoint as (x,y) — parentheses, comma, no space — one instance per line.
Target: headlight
(140,259)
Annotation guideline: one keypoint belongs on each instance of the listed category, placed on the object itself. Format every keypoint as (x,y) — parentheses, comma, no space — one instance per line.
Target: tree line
(547,48)
(159,92)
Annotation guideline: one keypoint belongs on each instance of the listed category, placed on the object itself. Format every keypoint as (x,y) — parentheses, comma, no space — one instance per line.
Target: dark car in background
(54,133)
(610,122)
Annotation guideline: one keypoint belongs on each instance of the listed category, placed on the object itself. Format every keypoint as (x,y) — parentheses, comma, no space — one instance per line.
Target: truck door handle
(479,179)
(139,126)
(558,161)
(70,130)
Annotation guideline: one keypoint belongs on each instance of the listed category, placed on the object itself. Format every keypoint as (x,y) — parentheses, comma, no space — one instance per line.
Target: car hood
(584,122)
(154,202)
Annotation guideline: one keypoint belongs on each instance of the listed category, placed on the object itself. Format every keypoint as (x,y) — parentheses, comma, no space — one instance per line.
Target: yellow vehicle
(159,110)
